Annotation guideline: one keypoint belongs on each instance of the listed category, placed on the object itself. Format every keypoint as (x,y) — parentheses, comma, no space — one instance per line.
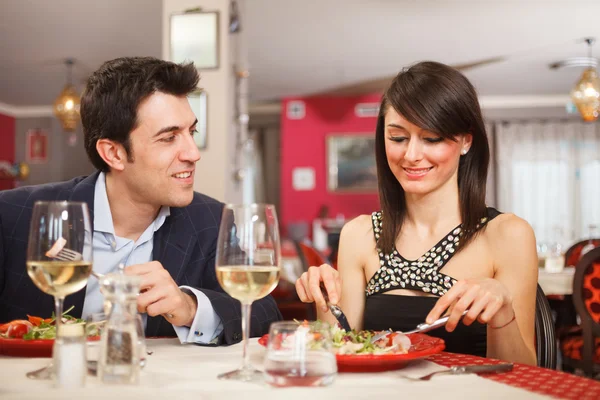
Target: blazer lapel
(84,192)
(173,244)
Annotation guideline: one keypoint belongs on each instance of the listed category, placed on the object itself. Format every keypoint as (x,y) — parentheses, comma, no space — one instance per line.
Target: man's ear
(112,153)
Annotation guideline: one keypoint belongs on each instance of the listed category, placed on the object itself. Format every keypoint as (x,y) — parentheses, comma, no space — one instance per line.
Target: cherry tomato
(18,328)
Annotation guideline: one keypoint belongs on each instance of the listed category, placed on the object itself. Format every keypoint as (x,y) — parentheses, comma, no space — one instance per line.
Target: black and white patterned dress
(403,313)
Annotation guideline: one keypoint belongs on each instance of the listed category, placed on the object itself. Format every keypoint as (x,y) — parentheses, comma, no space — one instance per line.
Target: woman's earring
(463,152)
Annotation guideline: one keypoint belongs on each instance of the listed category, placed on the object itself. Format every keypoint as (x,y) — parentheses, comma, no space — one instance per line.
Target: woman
(435,246)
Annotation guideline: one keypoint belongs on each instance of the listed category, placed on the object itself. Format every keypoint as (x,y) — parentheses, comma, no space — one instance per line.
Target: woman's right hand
(308,286)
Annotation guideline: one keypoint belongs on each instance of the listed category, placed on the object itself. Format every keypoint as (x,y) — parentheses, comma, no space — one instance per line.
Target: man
(138,131)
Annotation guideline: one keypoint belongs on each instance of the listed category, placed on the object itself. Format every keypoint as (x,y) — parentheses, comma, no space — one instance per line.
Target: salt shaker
(119,351)
(69,356)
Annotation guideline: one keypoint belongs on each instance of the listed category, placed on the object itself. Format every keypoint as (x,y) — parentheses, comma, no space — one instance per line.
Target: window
(549,174)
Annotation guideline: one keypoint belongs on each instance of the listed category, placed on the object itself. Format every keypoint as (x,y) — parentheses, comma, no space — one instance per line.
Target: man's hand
(160,295)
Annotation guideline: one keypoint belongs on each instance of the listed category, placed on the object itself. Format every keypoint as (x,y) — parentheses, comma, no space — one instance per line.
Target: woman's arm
(516,267)
(346,286)
(506,302)
(356,241)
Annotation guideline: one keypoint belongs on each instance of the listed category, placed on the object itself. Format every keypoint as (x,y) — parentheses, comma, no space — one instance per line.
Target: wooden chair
(311,256)
(287,300)
(563,304)
(573,253)
(581,346)
(545,334)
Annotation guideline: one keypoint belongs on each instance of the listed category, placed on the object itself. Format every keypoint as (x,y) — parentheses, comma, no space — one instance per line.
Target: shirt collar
(103,221)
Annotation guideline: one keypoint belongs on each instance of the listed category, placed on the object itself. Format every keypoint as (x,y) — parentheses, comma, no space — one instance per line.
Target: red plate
(422,346)
(29,348)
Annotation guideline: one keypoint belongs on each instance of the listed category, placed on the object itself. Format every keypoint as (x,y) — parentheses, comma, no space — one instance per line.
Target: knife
(467,369)
(424,327)
(481,369)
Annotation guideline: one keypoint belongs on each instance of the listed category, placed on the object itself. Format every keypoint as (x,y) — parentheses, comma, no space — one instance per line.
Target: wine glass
(59,251)
(248,265)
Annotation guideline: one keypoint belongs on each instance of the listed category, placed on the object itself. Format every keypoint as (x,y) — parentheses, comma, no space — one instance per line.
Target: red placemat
(535,379)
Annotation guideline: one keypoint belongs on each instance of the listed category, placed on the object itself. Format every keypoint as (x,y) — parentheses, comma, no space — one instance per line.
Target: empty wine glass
(300,354)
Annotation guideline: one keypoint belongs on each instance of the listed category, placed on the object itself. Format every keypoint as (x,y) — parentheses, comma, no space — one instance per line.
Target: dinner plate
(422,346)
(30,348)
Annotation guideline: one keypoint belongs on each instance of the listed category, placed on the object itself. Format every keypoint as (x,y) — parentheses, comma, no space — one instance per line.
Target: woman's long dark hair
(437,98)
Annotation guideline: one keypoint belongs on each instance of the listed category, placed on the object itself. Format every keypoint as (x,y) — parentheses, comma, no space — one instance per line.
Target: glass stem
(246,315)
(58,304)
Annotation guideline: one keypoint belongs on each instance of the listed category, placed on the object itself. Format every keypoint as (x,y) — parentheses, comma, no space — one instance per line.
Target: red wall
(303,144)
(7,146)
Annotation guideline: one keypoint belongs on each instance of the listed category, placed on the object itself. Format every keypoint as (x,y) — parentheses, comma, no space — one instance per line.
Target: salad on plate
(360,342)
(34,328)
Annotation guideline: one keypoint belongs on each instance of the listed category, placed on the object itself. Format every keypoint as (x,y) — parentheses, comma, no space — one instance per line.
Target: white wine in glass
(248,265)
(59,252)
(247,283)
(59,278)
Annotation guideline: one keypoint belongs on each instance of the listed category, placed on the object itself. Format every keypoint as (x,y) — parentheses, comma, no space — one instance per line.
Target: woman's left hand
(487,300)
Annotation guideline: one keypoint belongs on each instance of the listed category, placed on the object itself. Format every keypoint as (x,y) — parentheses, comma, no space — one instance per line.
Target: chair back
(586,289)
(309,255)
(545,333)
(586,297)
(573,254)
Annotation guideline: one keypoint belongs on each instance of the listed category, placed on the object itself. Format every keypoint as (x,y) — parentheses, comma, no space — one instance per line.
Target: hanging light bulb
(586,93)
(66,105)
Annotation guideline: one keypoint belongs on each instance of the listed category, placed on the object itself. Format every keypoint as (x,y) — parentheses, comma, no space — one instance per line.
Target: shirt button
(113,244)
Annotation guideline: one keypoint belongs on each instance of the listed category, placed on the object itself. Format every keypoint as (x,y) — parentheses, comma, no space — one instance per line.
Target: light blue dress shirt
(110,250)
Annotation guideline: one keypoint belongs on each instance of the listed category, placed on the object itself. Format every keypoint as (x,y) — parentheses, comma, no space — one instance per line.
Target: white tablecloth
(180,372)
(556,283)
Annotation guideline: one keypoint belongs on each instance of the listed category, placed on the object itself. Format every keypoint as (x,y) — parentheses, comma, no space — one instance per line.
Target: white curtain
(549,174)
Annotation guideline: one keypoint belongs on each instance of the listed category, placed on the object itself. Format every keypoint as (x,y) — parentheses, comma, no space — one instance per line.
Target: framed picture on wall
(351,163)
(199,103)
(194,36)
(36,146)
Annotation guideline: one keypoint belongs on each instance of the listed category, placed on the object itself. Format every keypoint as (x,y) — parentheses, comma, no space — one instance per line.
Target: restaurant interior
(287,107)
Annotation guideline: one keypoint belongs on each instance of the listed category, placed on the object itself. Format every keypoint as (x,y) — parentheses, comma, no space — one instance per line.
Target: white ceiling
(37,35)
(303,47)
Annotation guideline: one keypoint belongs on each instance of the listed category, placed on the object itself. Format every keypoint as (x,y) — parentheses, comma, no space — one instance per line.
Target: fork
(336,311)
(71,255)
(68,255)
(467,369)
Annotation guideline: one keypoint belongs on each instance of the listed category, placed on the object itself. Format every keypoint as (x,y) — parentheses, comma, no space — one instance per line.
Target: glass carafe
(119,346)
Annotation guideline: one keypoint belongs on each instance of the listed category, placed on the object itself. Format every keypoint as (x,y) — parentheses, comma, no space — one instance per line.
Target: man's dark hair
(440,99)
(114,92)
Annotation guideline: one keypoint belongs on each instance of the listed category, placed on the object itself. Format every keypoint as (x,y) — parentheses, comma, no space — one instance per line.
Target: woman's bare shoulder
(512,242)
(358,233)
(510,229)
(359,226)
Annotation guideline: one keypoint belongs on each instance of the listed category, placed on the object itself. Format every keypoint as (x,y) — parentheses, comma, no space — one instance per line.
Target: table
(189,372)
(556,283)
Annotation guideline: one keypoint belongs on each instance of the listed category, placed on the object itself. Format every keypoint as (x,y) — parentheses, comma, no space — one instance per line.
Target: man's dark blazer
(185,245)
